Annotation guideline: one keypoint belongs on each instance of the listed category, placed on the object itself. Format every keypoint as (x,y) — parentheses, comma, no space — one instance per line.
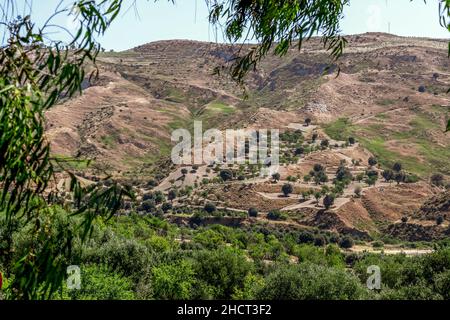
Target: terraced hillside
(152,89)
(389,103)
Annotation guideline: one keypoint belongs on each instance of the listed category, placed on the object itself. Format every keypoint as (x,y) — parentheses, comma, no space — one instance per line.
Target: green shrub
(210,207)
(252,212)
(166,206)
(319,241)
(148,206)
(226,175)
(305,237)
(287,189)
(346,243)
(173,281)
(276,215)
(377,244)
(411,178)
(220,273)
(100,283)
(125,256)
(310,282)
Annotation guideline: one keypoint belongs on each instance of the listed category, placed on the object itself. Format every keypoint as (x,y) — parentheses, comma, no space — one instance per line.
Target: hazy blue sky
(163,20)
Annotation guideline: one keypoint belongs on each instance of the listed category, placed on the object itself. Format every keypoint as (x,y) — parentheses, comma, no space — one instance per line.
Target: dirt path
(311,203)
(389,250)
(301,127)
(221,208)
(189,179)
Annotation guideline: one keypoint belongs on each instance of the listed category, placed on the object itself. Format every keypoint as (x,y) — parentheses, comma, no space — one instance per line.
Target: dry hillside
(390,96)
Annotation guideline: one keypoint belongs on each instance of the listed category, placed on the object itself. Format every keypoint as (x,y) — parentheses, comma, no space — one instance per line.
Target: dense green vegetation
(144,257)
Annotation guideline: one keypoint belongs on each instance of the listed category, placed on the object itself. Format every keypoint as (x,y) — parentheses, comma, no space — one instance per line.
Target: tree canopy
(276,26)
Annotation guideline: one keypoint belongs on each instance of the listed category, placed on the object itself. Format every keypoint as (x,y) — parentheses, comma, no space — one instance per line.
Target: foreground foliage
(143,257)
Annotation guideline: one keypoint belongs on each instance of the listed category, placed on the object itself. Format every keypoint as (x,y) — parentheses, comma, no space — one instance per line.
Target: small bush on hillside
(399,177)
(226,175)
(305,237)
(276,215)
(287,189)
(147,206)
(172,195)
(372,161)
(397,167)
(299,151)
(147,196)
(437,179)
(319,241)
(325,143)
(252,212)
(152,183)
(411,178)
(346,243)
(388,175)
(343,174)
(210,207)
(166,206)
(276,176)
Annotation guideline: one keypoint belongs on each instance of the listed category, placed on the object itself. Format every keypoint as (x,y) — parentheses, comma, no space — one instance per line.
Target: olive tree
(287,189)
(328,201)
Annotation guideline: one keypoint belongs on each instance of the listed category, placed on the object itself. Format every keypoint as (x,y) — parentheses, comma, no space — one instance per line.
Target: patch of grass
(422,122)
(218,106)
(437,156)
(440,108)
(72,163)
(175,95)
(214,113)
(211,115)
(382,116)
(387,157)
(429,157)
(163,149)
(178,123)
(108,141)
(385,102)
